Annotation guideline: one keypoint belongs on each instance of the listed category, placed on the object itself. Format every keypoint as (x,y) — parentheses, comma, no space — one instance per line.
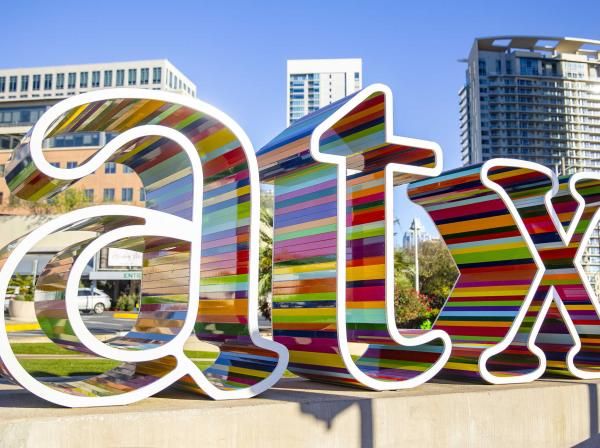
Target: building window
(120,77)
(24,83)
(127,170)
(529,66)
(110,168)
(142,194)
(83,80)
(126,194)
(48,81)
(108,78)
(2,83)
(109,194)
(131,78)
(71,164)
(156,75)
(89,194)
(482,68)
(36,82)
(144,75)
(60,81)
(71,83)
(12,84)
(96,79)
(575,69)
(55,164)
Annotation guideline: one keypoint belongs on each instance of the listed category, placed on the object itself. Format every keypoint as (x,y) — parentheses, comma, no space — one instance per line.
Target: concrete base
(298,413)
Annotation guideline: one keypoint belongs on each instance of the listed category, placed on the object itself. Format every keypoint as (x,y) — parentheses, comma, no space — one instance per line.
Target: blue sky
(235,51)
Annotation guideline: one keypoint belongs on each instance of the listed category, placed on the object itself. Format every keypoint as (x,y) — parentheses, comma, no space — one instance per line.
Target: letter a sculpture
(198,234)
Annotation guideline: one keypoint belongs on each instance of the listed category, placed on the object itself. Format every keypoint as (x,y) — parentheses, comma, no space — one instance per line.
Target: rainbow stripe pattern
(522,305)
(198,234)
(333,180)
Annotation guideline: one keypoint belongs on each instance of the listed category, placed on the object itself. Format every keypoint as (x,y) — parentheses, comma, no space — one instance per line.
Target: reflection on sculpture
(198,234)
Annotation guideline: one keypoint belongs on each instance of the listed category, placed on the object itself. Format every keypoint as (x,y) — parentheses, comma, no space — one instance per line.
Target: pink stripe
(279,245)
(303,205)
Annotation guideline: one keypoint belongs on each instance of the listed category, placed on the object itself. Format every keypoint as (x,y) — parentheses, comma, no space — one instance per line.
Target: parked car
(97,300)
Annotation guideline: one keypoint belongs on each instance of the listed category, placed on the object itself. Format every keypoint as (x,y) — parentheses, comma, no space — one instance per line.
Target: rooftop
(571,45)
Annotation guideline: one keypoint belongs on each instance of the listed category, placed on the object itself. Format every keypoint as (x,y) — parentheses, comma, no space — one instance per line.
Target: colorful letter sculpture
(522,304)
(198,233)
(333,252)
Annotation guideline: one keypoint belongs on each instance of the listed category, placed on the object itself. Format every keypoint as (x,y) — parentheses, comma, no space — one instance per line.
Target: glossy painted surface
(522,305)
(198,234)
(331,239)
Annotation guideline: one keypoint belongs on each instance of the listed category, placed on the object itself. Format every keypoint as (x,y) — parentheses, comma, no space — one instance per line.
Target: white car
(96,300)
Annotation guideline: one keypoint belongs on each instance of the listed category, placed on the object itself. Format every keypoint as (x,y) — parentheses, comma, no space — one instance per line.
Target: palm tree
(22,286)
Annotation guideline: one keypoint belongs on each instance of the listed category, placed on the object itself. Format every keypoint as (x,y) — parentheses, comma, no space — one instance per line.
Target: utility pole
(35,268)
(415,227)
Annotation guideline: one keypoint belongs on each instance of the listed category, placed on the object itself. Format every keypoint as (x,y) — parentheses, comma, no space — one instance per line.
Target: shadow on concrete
(594,440)
(20,398)
(324,406)
(327,405)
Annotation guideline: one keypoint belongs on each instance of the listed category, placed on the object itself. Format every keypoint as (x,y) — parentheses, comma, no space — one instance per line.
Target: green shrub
(126,302)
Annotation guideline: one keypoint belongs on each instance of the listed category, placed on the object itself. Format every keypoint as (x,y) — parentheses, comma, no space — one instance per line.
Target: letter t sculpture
(333,256)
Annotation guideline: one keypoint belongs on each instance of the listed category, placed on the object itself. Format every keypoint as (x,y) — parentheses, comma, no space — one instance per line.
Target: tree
(65,201)
(22,287)
(265,266)
(437,272)
(412,309)
(437,275)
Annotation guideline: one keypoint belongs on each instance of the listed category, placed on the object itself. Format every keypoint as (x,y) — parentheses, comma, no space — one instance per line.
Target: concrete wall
(298,413)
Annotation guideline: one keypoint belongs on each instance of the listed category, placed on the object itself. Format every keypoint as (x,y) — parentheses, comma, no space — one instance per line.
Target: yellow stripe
(250,372)
(487,248)
(321,359)
(214,141)
(471,323)
(125,315)
(373,272)
(70,119)
(477,292)
(462,366)
(304,312)
(12,328)
(477,224)
(305,268)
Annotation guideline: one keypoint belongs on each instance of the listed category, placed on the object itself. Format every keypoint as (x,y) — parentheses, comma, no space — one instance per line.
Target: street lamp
(415,227)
